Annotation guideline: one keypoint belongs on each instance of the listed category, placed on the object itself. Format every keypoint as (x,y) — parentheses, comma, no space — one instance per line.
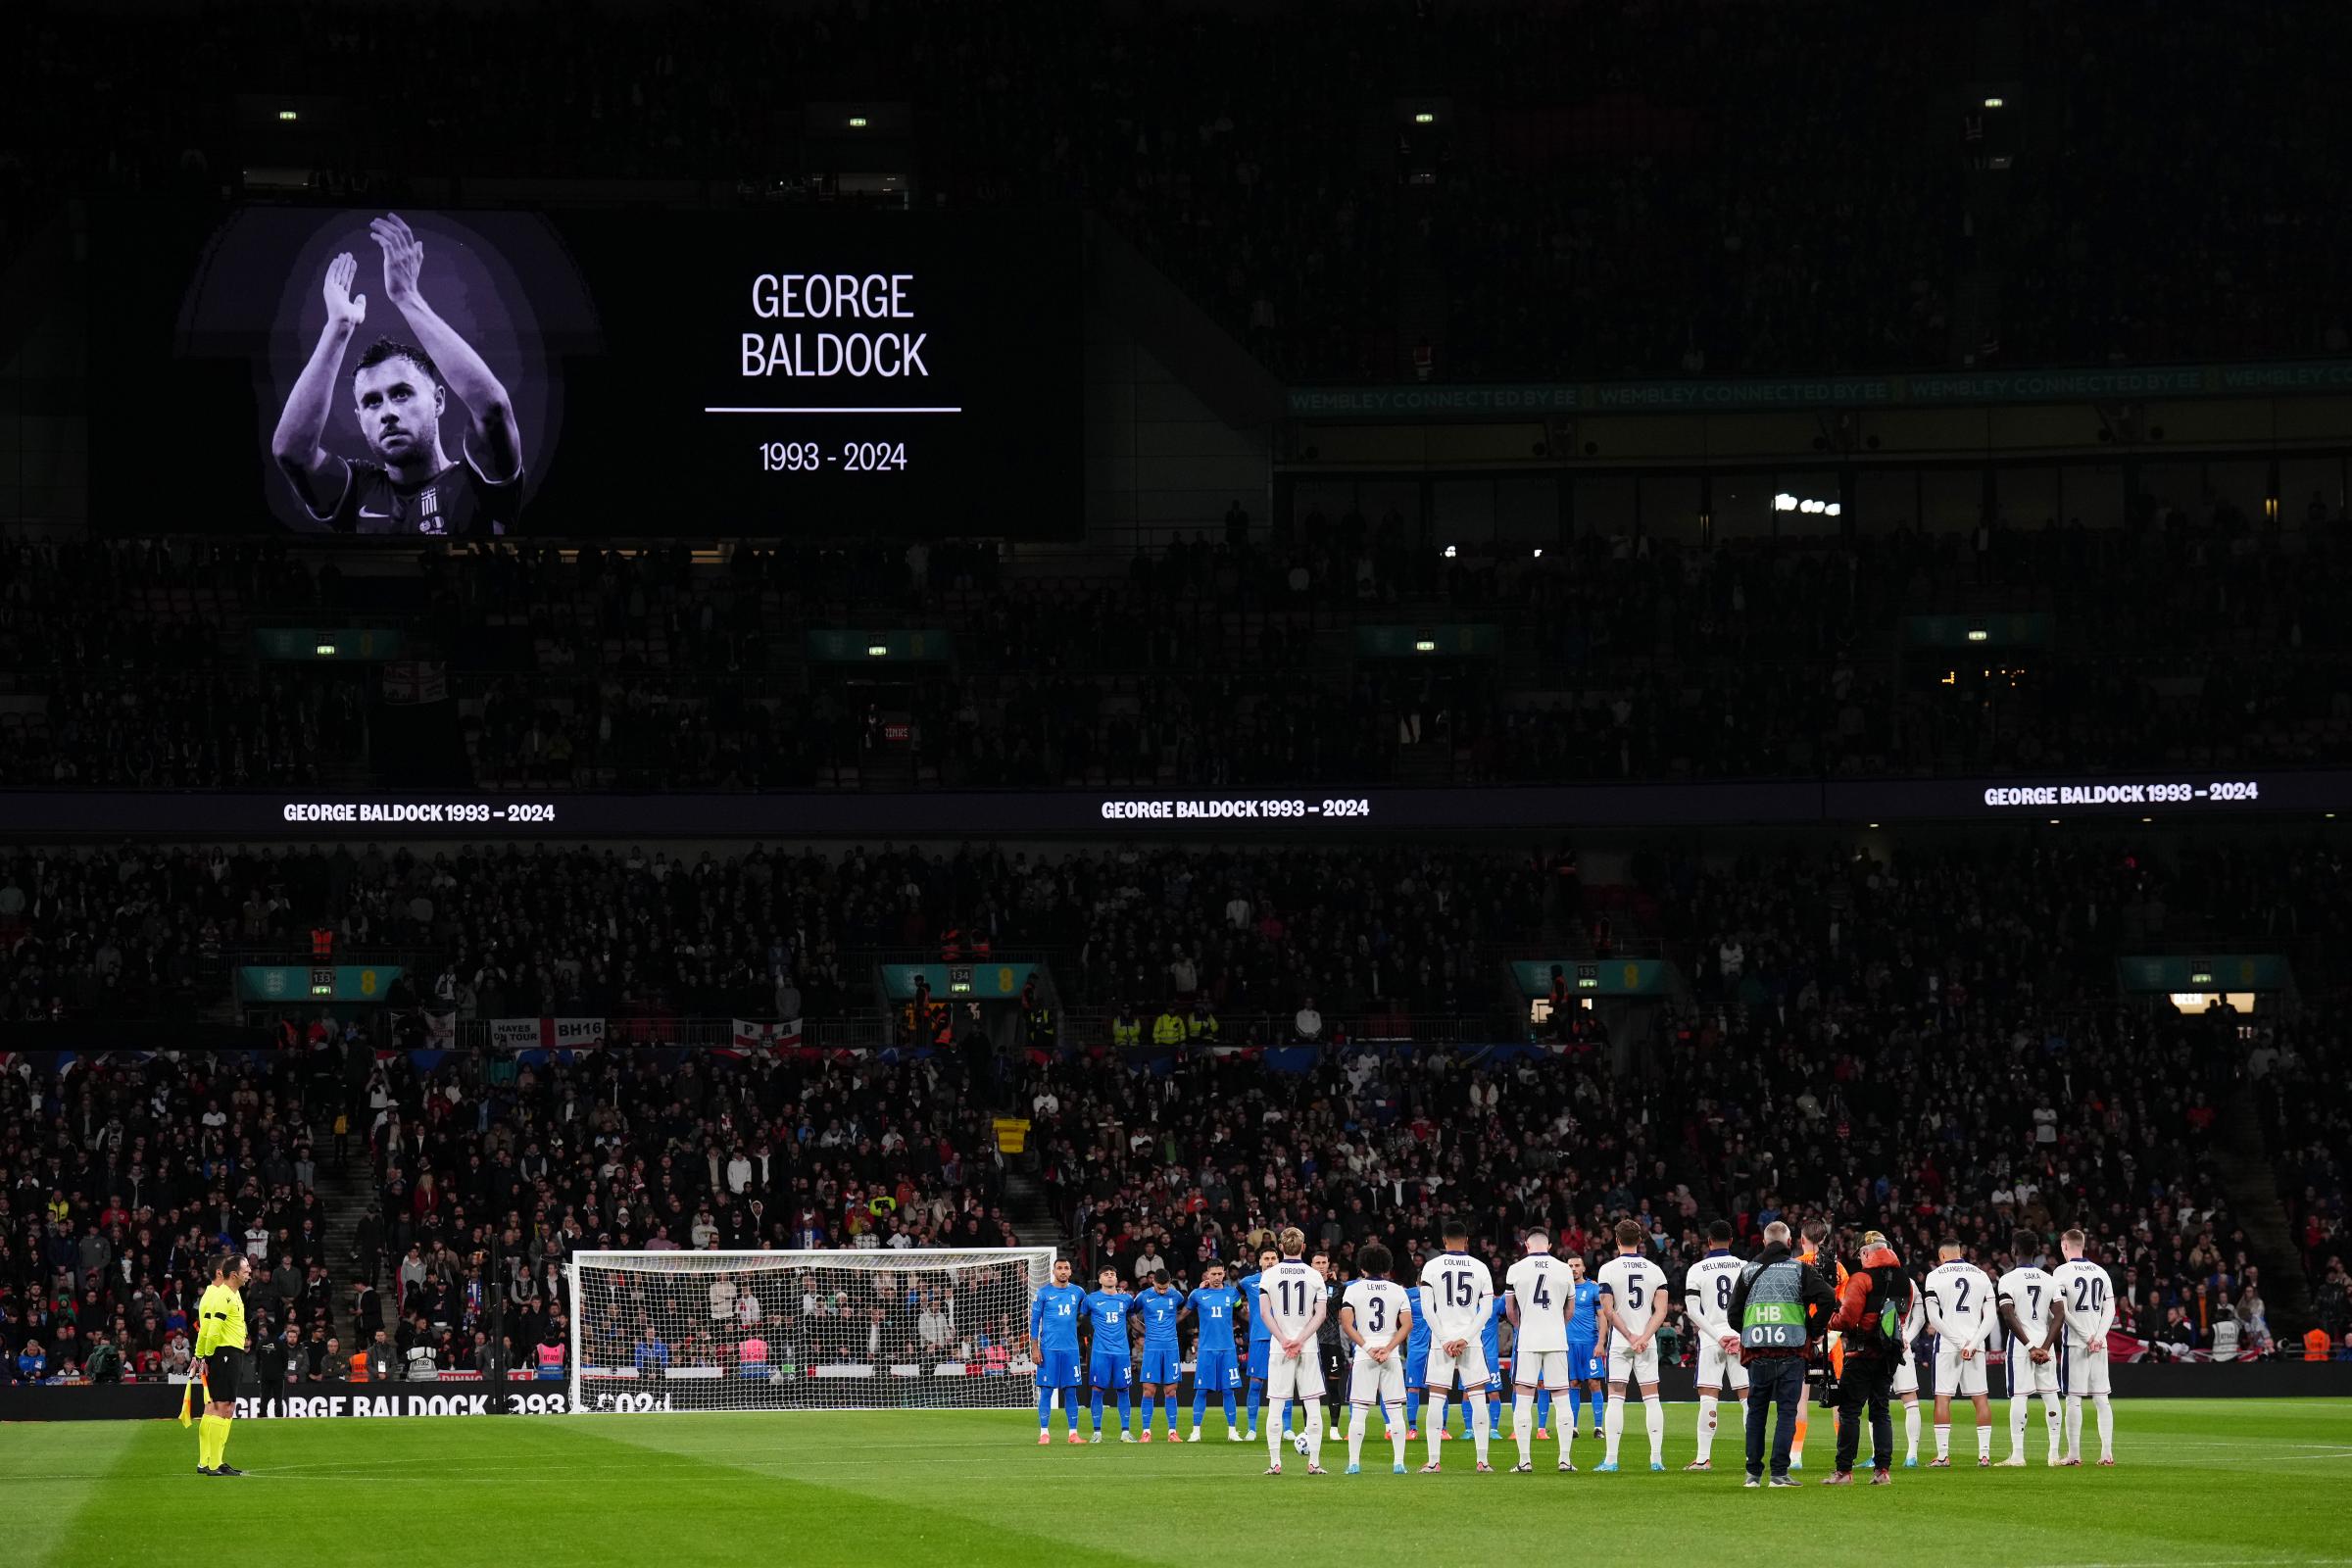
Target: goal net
(918,1329)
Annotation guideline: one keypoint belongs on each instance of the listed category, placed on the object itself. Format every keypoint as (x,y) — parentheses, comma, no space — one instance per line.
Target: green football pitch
(2227,1483)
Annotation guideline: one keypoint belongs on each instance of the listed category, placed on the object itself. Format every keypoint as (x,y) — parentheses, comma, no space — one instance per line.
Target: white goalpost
(921,1329)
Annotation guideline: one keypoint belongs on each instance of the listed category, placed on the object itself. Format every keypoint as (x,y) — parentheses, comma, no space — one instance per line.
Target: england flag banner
(784,1036)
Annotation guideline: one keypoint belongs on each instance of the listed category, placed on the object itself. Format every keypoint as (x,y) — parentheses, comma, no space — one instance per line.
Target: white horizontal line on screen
(834,411)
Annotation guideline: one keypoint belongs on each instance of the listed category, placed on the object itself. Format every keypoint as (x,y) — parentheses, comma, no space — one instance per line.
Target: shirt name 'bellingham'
(833,296)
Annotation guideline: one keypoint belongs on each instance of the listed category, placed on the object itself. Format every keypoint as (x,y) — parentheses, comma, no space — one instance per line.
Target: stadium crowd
(1982,979)
(1926,1044)
(128,1177)
(1219,664)
(1989,971)
(491,931)
(634,1152)
(143,671)
(1729,1118)
(1922,1110)
(126,1181)
(2299,1077)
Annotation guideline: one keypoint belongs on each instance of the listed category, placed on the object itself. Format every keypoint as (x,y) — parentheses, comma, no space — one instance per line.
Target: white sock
(1523,1425)
(1277,1418)
(1706,1426)
(1567,1440)
(1943,1440)
(1481,1426)
(2017,1423)
(2050,1419)
(1654,1411)
(2106,1426)
(1911,1431)
(2074,1426)
(1356,1435)
(1314,1433)
(1393,1415)
(1985,1437)
(1612,1428)
(1433,1421)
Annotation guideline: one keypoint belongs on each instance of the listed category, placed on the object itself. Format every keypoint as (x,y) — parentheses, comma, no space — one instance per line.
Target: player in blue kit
(1585,1366)
(1489,1339)
(1159,1308)
(1054,1348)
(1213,1363)
(1111,1365)
(1416,1365)
(1261,1339)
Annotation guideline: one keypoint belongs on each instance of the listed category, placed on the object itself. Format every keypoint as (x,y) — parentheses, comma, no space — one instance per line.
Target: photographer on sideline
(1871,1315)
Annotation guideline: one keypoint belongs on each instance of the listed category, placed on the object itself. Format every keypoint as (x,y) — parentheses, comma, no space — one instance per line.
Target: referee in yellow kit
(221,1346)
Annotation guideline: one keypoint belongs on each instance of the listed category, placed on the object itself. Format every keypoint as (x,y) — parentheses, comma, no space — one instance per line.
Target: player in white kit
(1376,1317)
(1633,1303)
(2082,1305)
(1543,1293)
(1294,1296)
(2025,1301)
(1960,1309)
(1457,1292)
(1904,1384)
(1707,1300)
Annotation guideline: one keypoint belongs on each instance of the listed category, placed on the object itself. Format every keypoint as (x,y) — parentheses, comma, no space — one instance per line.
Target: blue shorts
(1159,1368)
(1583,1361)
(1495,1379)
(1416,1366)
(1057,1369)
(1109,1373)
(1217,1371)
(1261,1352)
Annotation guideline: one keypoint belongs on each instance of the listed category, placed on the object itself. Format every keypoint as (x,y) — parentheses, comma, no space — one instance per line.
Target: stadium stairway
(2242,1161)
(345,1195)
(1031,1216)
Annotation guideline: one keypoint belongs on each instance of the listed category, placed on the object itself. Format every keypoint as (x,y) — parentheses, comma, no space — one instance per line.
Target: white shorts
(1470,1366)
(1906,1375)
(2027,1376)
(1955,1378)
(1298,1377)
(1626,1367)
(2084,1373)
(1371,1382)
(1541,1369)
(1719,1369)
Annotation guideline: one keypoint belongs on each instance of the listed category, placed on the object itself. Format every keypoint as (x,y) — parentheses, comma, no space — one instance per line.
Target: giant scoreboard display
(396,373)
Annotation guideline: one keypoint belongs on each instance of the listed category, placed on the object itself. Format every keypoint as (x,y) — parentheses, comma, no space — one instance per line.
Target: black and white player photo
(444,453)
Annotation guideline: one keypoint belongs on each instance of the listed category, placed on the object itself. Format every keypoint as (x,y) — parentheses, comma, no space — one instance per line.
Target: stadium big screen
(394,372)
